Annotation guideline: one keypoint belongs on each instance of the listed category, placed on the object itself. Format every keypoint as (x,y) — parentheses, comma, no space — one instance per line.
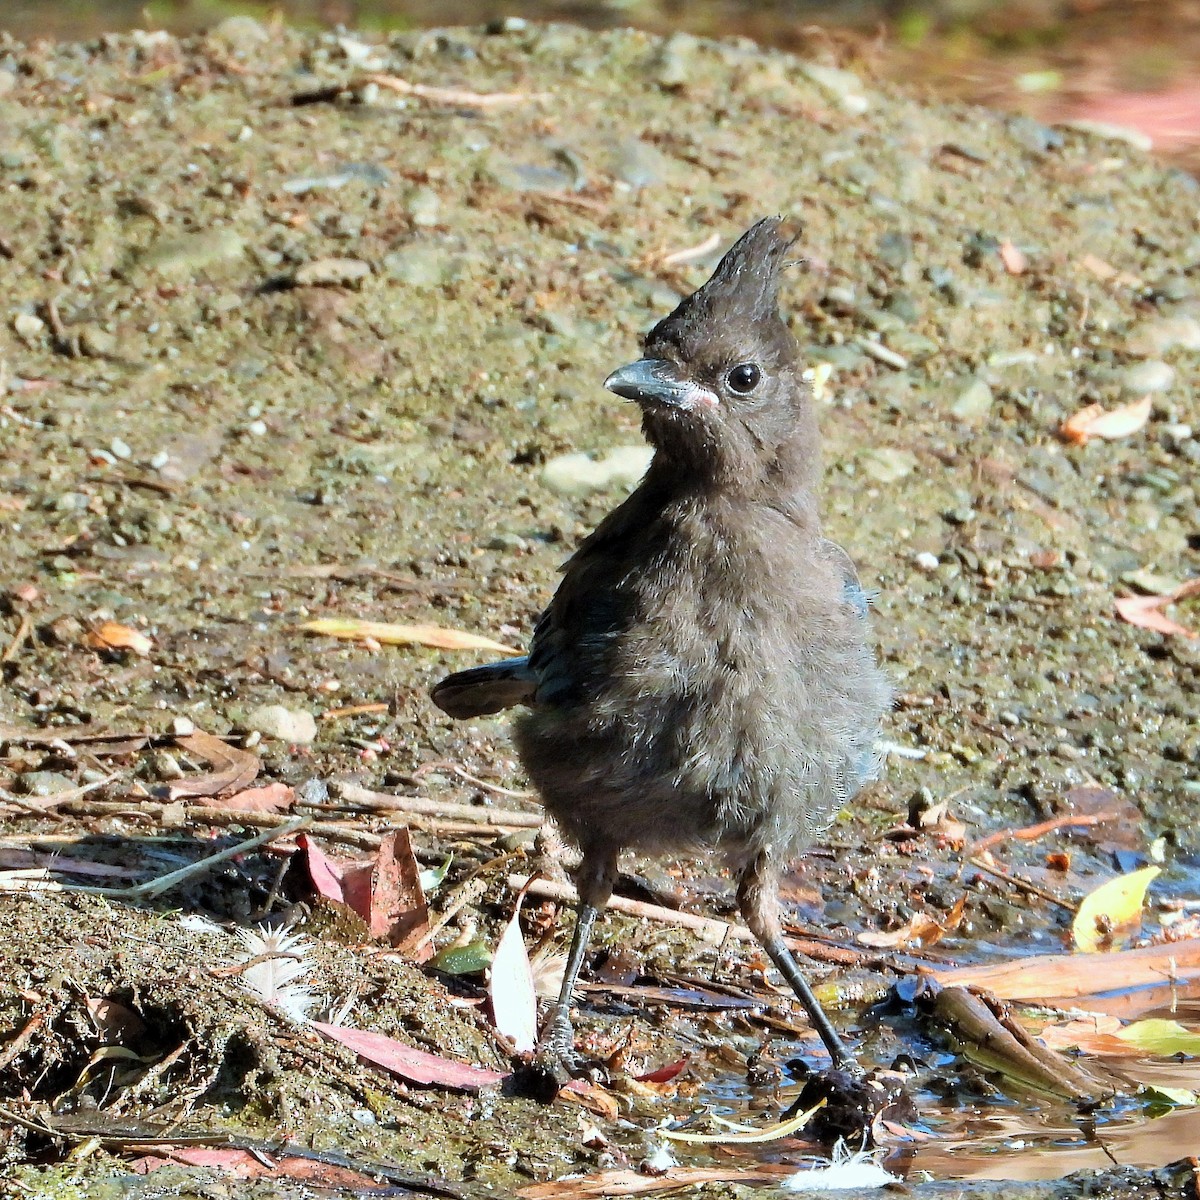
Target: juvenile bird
(703,678)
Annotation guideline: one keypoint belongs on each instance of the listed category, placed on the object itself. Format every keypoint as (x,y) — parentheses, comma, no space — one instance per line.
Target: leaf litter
(1031,552)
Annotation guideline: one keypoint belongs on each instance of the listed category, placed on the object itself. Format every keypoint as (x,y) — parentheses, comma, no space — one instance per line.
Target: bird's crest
(743,288)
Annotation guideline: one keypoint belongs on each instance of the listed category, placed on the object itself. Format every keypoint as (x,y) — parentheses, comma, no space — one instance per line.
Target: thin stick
(454,768)
(155,887)
(24,629)
(441,95)
(1018,881)
(1031,833)
(388,802)
(711,930)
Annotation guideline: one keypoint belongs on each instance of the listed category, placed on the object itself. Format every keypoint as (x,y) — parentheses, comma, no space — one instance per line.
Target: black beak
(656,381)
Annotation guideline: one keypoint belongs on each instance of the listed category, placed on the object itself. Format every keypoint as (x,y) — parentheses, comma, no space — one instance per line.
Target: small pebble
(28,327)
(331,272)
(580,474)
(292,725)
(95,342)
(886,464)
(120,449)
(973,403)
(1156,337)
(926,561)
(257,428)
(1153,375)
(42,783)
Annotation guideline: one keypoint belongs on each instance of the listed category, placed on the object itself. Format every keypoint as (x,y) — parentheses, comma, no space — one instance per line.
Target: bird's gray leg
(594,881)
(758,899)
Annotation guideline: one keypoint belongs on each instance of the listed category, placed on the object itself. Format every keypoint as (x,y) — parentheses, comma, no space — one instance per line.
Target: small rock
(973,403)
(1156,337)
(183,727)
(313,791)
(193,252)
(165,765)
(331,272)
(420,266)
(28,327)
(580,474)
(926,561)
(844,86)
(1153,375)
(424,207)
(240,35)
(1177,434)
(43,783)
(293,725)
(95,342)
(675,61)
(120,449)
(886,464)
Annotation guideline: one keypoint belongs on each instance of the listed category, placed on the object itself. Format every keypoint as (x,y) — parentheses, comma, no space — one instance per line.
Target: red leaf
(272,797)
(409,1062)
(1146,611)
(324,874)
(663,1074)
(386,891)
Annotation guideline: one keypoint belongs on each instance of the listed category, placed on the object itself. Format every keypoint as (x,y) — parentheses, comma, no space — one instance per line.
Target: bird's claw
(556,1062)
(853,1099)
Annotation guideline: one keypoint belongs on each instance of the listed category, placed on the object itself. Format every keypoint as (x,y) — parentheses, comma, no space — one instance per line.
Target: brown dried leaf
(271,797)
(1146,611)
(234,769)
(921,929)
(1095,421)
(112,635)
(386,891)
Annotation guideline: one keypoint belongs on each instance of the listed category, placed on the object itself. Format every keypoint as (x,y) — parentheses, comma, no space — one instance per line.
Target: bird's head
(719,384)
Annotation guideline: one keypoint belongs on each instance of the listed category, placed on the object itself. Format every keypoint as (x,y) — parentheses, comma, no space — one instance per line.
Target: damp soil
(277,342)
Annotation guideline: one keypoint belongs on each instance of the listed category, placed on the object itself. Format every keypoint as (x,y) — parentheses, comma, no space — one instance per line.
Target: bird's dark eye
(744,378)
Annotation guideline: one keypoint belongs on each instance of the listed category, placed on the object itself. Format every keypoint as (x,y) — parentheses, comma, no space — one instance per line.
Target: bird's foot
(555,1062)
(853,1098)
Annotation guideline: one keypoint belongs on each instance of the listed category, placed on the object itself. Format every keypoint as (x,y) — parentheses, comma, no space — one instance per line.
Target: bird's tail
(480,691)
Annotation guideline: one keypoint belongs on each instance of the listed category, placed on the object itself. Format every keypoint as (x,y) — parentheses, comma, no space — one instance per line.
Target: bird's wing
(853,591)
(481,691)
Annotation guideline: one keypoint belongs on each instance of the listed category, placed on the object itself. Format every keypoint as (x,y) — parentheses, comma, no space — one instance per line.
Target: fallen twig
(690,253)
(1031,833)
(45,804)
(388,802)
(1019,881)
(441,95)
(429,768)
(24,629)
(155,887)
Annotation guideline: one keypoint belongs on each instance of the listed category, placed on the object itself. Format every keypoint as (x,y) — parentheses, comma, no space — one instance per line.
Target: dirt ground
(279,342)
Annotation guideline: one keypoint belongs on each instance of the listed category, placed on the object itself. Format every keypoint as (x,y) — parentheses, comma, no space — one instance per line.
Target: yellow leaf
(1112,907)
(1161,1037)
(404,635)
(769,1134)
